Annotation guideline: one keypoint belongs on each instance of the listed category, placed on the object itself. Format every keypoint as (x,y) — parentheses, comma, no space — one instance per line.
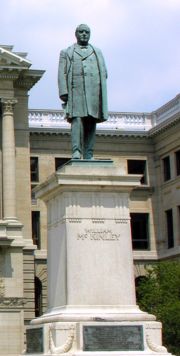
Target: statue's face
(83,34)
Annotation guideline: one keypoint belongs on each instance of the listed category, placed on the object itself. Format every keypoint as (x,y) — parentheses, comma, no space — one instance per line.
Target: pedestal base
(95,330)
(96,338)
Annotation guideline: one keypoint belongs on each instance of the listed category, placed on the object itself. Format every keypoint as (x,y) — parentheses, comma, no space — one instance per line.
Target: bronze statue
(82,78)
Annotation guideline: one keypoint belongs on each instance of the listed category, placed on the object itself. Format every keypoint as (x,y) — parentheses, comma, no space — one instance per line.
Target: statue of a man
(82,88)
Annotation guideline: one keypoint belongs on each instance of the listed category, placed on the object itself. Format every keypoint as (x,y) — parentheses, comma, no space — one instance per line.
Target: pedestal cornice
(87,176)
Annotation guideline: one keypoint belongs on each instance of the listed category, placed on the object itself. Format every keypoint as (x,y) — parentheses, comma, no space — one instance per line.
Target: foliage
(159,293)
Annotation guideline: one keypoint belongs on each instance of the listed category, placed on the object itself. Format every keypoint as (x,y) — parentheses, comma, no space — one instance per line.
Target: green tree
(159,293)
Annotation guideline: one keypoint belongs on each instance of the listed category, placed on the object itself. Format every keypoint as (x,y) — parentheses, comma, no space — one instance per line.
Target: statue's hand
(64,98)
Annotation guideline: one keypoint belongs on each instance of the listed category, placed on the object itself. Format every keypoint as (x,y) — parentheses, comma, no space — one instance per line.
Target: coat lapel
(84,53)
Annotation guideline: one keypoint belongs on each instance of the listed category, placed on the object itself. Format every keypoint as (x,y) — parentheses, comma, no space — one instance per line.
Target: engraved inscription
(34,340)
(113,338)
(98,234)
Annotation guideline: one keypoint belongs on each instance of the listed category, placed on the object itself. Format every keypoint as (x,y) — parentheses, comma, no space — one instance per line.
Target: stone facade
(17,249)
(138,143)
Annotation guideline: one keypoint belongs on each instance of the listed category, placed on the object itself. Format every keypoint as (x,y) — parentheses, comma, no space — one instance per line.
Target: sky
(140,41)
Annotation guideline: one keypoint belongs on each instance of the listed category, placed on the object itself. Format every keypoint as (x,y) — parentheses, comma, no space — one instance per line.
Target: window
(140,231)
(177,155)
(36,228)
(169,226)
(136,166)
(166,168)
(34,169)
(60,161)
(38,297)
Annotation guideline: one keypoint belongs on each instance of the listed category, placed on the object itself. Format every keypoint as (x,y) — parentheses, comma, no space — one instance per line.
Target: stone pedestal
(91,294)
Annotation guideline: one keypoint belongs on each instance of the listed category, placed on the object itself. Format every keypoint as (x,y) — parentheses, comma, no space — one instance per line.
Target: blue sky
(140,40)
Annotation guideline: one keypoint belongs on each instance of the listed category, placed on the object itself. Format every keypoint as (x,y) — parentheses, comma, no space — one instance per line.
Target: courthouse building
(34,144)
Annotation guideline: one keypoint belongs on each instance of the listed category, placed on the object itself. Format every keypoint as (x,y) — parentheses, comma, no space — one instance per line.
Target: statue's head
(82,34)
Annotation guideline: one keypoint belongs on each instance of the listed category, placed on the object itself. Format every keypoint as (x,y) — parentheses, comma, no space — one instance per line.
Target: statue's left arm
(103,77)
(101,62)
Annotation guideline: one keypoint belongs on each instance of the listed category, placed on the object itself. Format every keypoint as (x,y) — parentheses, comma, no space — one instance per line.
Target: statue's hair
(82,24)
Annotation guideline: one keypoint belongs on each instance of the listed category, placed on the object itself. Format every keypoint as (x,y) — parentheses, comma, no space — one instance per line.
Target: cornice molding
(8,75)
(28,79)
(12,57)
(14,66)
(164,126)
(169,106)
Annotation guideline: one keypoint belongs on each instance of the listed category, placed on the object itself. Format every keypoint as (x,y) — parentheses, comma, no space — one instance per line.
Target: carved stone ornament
(66,346)
(98,221)
(11,302)
(121,221)
(8,105)
(154,347)
(75,220)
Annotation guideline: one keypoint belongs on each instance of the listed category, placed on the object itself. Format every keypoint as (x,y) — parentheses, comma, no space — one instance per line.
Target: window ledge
(146,189)
(144,255)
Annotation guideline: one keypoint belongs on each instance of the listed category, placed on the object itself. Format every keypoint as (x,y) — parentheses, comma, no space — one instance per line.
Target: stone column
(8,155)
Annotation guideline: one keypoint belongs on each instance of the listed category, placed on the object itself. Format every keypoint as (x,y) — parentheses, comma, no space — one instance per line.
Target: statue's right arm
(62,76)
